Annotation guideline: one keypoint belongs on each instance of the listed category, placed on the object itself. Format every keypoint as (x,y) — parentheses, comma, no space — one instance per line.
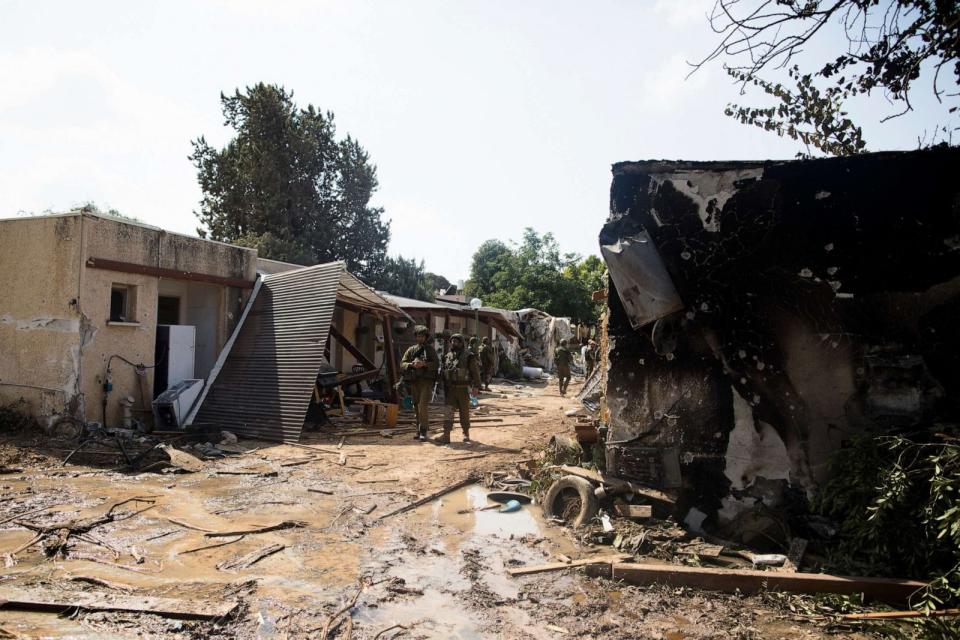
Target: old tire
(572,500)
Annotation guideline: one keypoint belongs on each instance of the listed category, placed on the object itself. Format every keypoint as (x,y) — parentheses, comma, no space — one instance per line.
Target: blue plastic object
(407,402)
(474,402)
(510,507)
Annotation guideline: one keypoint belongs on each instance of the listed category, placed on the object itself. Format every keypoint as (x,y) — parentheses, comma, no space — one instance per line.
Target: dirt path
(437,571)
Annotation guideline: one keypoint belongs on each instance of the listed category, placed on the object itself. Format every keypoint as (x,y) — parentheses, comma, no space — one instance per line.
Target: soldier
(460,372)
(475,346)
(488,363)
(562,357)
(590,356)
(419,367)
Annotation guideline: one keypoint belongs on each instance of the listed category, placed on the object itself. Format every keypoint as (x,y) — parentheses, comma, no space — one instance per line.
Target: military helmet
(486,340)
(457,336)
(563,342)
(421,330)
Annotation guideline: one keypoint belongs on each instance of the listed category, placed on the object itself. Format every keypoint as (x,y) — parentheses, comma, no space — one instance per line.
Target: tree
(534,274)
(286,186)
(403,277)
(435,282)
(890,45)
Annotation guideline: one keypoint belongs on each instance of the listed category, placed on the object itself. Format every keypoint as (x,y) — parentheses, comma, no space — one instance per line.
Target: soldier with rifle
(460,374)
(419,368)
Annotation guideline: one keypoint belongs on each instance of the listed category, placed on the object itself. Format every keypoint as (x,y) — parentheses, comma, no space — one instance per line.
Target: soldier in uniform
(460,374)
(475,346)
(488,363)
(563,358)
(590,356)
(419,367)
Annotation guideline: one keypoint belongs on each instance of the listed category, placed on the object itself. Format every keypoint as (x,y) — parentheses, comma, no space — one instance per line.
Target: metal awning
(263,381)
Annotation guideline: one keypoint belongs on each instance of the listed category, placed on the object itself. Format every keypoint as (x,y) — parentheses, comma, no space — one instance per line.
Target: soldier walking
(590,356)
(419,367)
(460,374)
(563,358)
(488,363)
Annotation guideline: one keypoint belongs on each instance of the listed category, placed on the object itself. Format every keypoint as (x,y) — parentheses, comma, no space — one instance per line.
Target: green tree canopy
(435,282)
(535,274)
(285,185)
(403,277)
(889,46)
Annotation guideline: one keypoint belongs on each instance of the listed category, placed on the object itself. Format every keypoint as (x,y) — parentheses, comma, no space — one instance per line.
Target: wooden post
(391,358)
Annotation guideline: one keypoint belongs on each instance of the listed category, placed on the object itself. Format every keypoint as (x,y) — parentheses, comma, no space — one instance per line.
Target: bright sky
(482,117)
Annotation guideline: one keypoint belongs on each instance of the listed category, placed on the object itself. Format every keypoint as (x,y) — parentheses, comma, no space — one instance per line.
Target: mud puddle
(445,571)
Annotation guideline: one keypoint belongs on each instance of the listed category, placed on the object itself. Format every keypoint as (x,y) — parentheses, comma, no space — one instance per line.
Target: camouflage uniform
(460,372)
(562,357)
(420,380)
(488,363)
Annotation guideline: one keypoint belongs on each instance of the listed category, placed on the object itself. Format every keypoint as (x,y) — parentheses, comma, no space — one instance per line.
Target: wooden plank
(354,351)
(57,601)
(147,270)
(470,479)
(900,615)
(745,581)
(560,566)
(392,393)
(639,511)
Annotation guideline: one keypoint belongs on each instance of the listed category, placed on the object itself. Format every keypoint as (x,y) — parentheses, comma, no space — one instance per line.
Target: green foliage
(889,45)
(815,118)
(535,274)
(435,282)
(91,207)
(403,277)
(285,185)
(899,503)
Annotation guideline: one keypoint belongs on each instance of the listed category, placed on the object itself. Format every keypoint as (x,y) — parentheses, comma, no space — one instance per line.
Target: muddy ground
(429,573)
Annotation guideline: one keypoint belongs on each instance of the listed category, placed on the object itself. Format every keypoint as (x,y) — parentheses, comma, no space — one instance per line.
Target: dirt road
(433,572)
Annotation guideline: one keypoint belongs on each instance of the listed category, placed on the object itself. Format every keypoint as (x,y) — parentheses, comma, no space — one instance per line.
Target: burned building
(763,314)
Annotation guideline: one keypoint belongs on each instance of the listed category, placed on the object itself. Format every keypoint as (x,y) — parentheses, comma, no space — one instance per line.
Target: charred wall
(817,298)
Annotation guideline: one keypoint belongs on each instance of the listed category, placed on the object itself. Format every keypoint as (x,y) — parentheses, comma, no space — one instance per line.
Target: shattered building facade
(84,294)
(763,314)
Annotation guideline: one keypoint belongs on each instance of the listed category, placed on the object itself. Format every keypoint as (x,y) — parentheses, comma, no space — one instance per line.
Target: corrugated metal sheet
(265,385)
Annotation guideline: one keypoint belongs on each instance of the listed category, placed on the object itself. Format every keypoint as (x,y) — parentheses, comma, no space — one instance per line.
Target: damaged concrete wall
(55,326)
(136,341)
(40,321)
(817,300)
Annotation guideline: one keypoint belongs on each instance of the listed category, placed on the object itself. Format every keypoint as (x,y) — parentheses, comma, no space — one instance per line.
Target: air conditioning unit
(172,406)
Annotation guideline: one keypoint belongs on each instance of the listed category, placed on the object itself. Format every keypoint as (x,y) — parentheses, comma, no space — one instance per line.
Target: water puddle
(451,555)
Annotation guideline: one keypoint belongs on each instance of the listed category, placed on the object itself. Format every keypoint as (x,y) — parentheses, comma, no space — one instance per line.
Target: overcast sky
(482,117)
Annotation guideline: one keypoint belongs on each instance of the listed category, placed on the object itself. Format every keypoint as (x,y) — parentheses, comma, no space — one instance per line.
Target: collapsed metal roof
(263,382)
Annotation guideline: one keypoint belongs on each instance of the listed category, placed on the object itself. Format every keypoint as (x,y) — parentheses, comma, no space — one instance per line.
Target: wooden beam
(391,358)
(640,511)
(885,589)
(354,351)
(159,272)
(560,566)
(57,601)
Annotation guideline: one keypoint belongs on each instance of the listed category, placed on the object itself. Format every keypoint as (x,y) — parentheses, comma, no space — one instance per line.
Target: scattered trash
(510,507)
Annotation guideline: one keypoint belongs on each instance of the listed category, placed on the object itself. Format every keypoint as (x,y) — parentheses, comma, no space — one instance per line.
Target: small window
(123,300)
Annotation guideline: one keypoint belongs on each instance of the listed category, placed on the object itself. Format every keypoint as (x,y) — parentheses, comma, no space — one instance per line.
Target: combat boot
(466,436)
(444,439)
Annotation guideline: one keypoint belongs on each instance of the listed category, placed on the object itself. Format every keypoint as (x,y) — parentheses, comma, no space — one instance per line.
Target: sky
(483,118)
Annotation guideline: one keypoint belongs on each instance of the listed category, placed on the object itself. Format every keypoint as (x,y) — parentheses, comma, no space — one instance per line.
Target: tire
(572,500)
